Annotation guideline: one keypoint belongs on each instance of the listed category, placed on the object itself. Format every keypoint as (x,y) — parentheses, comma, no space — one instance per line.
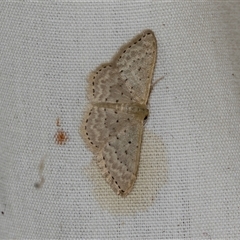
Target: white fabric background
(189,178)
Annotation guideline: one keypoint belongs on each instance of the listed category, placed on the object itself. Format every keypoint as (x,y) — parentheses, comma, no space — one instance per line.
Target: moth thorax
(136,109)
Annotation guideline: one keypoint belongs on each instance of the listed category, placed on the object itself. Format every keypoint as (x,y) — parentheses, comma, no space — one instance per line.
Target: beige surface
(188,181)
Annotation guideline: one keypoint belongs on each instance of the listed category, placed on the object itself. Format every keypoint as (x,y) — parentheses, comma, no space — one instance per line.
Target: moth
(112,127)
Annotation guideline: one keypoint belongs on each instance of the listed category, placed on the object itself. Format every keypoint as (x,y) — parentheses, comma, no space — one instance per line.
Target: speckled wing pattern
(113,125)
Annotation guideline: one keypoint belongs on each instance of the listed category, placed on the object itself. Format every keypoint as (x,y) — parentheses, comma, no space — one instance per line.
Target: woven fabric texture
(188,184)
